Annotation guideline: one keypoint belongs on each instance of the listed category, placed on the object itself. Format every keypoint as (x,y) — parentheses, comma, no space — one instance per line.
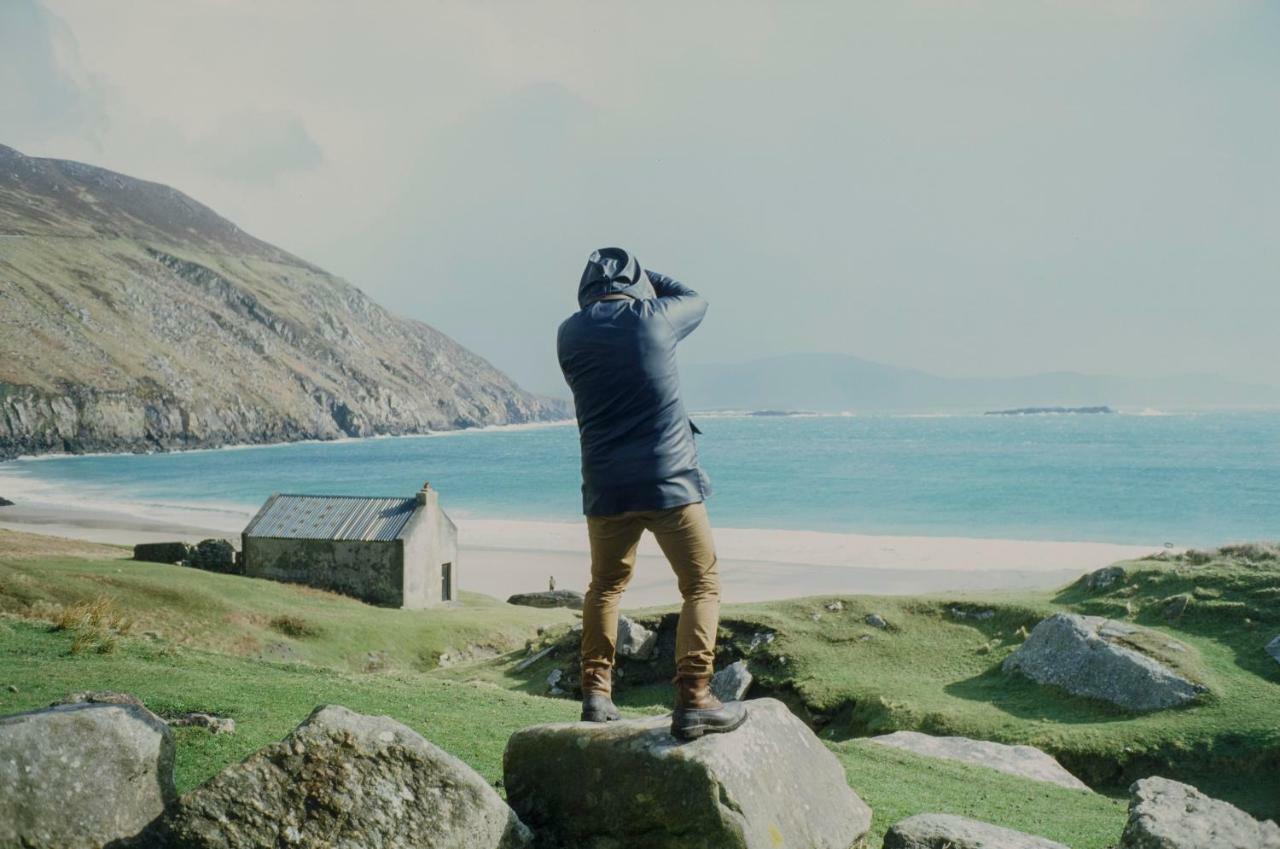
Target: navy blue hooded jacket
(618,356)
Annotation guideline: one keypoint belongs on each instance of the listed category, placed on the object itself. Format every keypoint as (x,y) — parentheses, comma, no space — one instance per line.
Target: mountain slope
(836,382)
(134,318)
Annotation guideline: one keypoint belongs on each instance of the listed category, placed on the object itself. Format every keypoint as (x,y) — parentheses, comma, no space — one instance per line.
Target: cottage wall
(446,551)
(430,540)
(368,570)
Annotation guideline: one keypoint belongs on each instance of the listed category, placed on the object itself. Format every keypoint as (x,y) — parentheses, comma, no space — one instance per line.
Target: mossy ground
(197,641)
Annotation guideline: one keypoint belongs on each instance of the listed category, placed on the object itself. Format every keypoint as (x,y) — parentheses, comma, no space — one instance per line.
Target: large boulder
(634,640)
(1022,761)
(548,598)
(1165,814)
(348,781)
(82,775)
(1095,657)
(769,784)
(947,831)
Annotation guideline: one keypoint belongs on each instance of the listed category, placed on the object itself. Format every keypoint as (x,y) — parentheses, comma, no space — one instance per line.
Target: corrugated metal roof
(332,517)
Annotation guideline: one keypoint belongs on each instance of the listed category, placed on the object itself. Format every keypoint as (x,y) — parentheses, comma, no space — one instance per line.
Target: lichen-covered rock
(634,640)
(1166,814)
(1022,761)
(99,697)
(731,683)
(1094,657)
(342,780)
(1105,578)
(770,783)
(548,598)
(198,719)
(947,831)
(83,775)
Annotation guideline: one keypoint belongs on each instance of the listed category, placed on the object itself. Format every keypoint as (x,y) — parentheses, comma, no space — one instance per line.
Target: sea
(1151,478)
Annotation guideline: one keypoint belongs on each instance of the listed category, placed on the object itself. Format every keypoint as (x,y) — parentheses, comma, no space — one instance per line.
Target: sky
(972,189)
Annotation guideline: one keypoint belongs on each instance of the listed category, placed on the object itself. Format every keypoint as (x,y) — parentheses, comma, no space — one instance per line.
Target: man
(640,472)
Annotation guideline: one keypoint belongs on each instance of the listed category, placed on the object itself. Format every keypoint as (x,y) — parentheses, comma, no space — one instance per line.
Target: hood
(613,271)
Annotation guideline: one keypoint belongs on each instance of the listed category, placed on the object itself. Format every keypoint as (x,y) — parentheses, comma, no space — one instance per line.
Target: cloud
(964,187)
(45,89)
(257,146)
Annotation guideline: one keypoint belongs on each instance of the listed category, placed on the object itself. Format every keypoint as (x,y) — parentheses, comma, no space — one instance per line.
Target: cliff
(133,318)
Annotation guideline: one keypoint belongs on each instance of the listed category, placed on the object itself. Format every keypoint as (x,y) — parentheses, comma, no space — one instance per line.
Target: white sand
(501,557)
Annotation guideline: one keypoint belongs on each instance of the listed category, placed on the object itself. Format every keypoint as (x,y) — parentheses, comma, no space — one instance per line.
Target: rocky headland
(133,318)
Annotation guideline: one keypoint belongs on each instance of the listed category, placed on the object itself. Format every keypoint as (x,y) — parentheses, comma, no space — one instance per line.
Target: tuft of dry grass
(293,626)
(94,625)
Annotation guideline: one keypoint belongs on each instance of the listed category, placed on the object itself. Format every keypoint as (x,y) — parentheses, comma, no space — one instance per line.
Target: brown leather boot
(698,712)
(597,692)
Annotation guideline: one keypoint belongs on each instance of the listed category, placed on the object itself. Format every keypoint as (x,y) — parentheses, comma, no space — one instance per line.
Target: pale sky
(974,189)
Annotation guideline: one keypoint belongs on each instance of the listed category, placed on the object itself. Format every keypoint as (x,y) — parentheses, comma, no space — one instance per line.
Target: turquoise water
(1194,479)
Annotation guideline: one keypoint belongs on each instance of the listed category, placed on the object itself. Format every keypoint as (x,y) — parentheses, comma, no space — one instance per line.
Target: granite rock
(347,781)
(1096,658)
(1023,761)
(768,784)
(81,776)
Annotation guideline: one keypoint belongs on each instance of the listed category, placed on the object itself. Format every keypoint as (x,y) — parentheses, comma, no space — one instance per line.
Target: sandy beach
(500,557)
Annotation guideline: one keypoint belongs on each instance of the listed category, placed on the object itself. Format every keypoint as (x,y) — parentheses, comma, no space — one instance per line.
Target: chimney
(424,494)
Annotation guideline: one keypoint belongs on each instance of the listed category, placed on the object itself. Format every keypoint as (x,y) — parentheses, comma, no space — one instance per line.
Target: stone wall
(368,570)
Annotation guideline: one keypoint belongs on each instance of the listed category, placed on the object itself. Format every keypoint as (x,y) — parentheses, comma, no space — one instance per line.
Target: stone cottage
(396,552)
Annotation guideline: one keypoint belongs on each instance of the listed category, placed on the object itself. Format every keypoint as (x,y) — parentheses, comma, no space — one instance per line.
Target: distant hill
(134,318)
(836,382)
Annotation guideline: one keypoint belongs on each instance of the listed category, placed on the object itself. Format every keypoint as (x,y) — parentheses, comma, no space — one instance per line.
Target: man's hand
(683,307)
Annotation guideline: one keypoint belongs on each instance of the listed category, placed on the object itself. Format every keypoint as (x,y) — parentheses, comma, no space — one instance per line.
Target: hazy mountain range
(134,318)
(836,382)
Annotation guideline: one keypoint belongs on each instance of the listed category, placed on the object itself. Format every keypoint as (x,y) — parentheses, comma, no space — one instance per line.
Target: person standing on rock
(640,472)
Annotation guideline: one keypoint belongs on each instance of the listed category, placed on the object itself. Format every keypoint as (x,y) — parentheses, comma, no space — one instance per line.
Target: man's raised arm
(683,307)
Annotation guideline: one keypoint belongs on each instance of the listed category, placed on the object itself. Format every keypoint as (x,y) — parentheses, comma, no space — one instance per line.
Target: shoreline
(244,446)
(1133,411)
(499,557)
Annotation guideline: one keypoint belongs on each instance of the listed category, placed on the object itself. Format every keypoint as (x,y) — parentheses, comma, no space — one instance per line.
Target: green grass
(185,640)
(938,672)
(898,784)
(473,720)
(257,618)
(266,699)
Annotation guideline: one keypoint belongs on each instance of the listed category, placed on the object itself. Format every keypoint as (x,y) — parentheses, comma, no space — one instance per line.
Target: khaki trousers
(684,534)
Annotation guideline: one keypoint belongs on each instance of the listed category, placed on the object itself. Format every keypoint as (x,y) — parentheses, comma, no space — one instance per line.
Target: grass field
(252,618)
(265,654)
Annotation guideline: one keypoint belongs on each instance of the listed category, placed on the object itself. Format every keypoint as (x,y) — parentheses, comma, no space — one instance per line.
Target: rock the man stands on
(640,472)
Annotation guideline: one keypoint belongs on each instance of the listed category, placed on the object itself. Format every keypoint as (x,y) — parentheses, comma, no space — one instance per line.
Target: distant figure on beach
(551,584)
(640,472)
